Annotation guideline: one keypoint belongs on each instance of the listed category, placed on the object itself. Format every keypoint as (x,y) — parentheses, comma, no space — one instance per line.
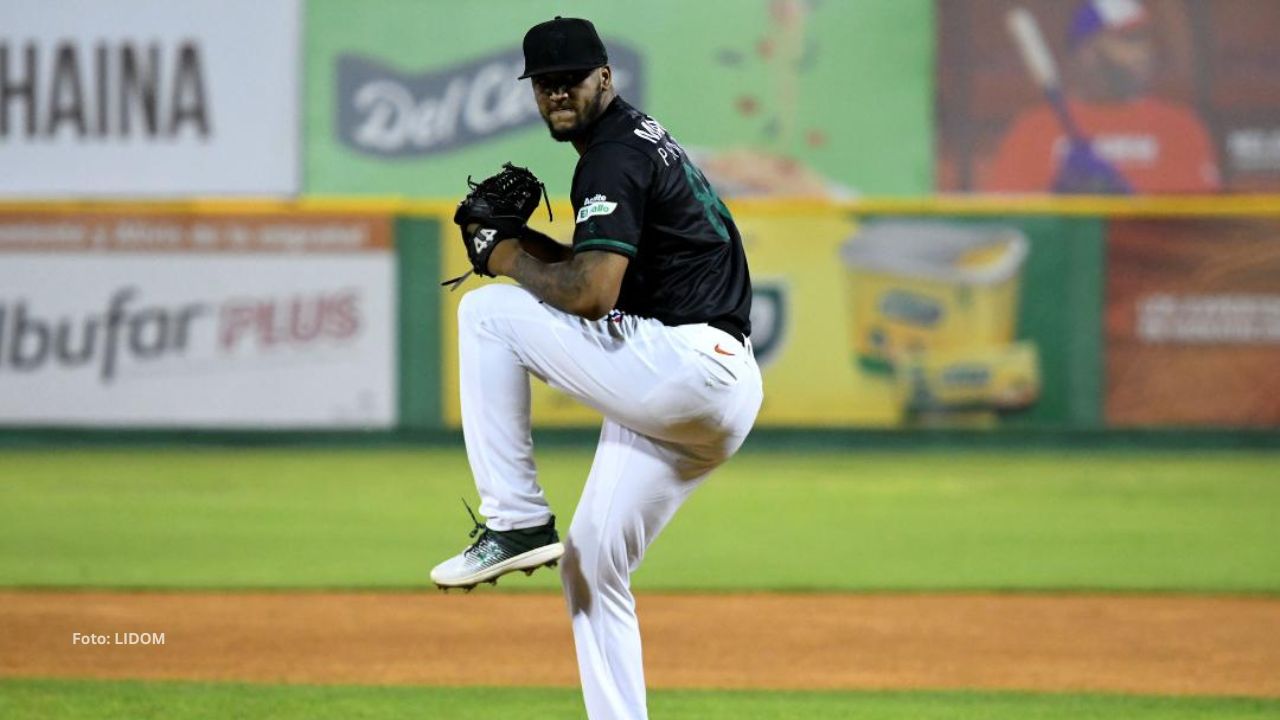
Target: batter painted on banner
(645,317)
(1154,144)
(1116,96)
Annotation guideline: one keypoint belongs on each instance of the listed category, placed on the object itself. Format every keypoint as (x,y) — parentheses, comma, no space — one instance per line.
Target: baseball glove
(499,206)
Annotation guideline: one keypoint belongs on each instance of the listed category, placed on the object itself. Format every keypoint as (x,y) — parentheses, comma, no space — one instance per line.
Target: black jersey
(636,193)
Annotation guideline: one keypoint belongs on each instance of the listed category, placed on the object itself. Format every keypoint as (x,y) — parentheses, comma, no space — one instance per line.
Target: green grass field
(73,700)
(1205,522)
(1124,521)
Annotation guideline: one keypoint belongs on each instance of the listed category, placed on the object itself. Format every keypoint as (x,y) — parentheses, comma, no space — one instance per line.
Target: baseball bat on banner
(1082,171)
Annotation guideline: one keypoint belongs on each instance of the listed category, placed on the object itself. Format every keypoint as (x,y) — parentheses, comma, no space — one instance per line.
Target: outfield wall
(979,315)
(1000,314)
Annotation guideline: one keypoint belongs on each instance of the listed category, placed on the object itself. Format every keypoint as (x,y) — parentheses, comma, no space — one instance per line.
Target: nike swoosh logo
(722,351)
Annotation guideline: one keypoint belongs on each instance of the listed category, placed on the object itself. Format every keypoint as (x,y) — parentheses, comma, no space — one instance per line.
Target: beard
(1118,80)
(582,123)
(1124,83)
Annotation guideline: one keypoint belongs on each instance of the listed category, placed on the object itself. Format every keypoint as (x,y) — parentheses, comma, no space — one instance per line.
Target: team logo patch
(596,205)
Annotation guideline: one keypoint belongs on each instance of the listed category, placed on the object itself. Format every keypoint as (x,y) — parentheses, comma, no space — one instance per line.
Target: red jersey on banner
(1157,146)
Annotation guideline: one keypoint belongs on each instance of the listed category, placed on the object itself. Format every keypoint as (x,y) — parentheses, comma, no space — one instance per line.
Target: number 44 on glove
(498,207)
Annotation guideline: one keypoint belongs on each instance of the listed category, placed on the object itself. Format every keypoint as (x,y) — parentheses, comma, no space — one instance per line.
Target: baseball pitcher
(644,317)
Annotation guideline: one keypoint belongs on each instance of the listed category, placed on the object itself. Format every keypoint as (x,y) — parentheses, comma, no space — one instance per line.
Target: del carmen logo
(387,113)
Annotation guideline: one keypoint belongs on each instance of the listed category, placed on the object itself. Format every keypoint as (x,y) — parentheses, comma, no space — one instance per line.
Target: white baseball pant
(677,402)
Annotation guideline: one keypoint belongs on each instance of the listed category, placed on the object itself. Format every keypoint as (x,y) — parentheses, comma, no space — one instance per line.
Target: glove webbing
(505,181)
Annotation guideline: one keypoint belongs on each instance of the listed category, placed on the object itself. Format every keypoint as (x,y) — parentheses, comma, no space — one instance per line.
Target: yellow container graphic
(936,304)
(919,286)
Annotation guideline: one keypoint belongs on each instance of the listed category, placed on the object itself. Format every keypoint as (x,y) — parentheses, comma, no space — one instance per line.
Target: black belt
(730,327)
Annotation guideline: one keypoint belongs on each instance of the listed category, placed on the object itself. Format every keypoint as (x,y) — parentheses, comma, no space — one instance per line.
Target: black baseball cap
(562,45)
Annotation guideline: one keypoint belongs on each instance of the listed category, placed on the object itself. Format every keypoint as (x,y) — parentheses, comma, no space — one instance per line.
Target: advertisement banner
(898,322)
(149,98)
(1108,96)
(1193,323)
(405,98)
(164,321)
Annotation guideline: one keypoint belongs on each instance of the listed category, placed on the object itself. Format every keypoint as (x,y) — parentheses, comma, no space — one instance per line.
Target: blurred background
(231,215)
(1016,268)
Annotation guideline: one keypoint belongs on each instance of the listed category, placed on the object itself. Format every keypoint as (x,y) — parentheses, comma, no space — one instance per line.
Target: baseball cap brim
(558,68)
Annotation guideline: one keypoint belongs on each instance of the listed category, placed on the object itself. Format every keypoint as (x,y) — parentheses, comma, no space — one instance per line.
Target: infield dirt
(1168,645)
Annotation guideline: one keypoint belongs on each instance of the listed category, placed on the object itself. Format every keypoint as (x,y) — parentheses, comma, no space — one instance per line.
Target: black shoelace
(480,527)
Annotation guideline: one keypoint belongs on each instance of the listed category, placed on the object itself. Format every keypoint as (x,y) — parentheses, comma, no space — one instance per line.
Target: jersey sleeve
(609,193)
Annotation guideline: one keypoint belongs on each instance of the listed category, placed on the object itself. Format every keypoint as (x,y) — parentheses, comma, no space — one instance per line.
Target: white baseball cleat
(498,552)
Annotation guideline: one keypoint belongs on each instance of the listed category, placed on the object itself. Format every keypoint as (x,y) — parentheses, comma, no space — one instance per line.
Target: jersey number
(714,208)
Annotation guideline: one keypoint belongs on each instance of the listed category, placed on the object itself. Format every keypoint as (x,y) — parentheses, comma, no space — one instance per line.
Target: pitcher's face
(570,101)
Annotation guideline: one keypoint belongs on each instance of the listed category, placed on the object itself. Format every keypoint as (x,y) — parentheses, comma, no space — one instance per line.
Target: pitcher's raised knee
(487,300)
